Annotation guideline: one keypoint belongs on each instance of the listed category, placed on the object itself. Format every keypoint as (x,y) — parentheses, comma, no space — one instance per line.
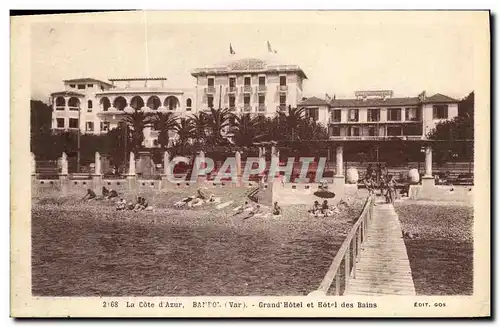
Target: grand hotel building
(259,86)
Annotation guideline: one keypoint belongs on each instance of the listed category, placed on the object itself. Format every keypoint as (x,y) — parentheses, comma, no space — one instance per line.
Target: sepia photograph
(334,157)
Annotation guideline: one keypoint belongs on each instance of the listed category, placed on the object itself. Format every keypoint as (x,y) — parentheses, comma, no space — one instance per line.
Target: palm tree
(217,121)
(246,130)
(290,122)
(164,122)
(199,124)
(184,129)
(312,130)
(136,121)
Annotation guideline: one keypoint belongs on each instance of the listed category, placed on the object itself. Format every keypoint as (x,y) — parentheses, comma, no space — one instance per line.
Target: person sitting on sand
(201,194)
(90,195)
(276,209)
(325,209)
(138,206)
(105,192)
(253,212)
(121,204)
(130,206)
(316,207)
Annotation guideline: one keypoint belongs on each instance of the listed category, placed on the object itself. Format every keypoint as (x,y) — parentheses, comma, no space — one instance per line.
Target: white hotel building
(259,86)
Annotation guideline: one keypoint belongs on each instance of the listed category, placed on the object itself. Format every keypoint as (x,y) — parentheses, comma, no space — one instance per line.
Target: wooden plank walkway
(382,267)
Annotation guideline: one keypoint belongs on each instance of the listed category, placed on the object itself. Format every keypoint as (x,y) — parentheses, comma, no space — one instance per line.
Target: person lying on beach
(254,212)
(184,201)
(112,194)
(90,195)
(241,209)
(276,209)
(212,199)
(121,204)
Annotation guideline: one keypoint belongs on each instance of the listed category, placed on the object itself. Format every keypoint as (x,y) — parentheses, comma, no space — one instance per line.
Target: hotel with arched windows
(257,86)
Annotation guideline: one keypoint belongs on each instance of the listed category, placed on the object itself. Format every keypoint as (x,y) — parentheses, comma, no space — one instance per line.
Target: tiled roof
(67,93)
(313,101)
(438,97)
(86,79)
(390,102)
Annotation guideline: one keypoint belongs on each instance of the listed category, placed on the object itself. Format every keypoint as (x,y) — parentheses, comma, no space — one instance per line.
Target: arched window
(73,103)
(105,104)
(120,103)
(137,103)
(154,102)
(60,102)
(89,104)
(188,103)
(171,103)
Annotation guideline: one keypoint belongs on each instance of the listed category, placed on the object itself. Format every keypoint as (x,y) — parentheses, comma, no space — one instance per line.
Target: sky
(339,53)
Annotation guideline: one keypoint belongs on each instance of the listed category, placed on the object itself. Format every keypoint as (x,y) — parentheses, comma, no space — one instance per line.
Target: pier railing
(343,266)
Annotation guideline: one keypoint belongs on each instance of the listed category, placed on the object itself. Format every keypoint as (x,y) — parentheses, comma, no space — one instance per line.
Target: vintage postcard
(251,164)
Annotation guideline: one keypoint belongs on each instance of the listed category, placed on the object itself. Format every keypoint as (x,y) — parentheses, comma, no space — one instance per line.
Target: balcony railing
(246,89)
(61,108)
(210,90)
(261,88)
(377,138)
(247,107)
(261,107)
(281,107)
(232,108)
(231,89)
(74,108)
(282,88)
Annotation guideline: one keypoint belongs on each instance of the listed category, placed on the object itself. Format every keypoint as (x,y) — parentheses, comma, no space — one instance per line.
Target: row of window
(246,100)
(247,81)
(393,114)
(83,86)
(409,130)
(120,103)
(73,123)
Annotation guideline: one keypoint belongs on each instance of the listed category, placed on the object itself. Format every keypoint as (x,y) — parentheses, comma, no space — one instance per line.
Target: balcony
(74,108)
(60,108)
(210,90)
(261,88)
(247,107)
(282,88)
(281,107)
(231,89)
(377,138)
(246,89)
(261,108)
(232,108)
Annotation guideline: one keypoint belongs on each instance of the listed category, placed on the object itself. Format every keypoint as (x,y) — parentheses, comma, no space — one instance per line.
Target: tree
(290,122)
(137,120)
(164,122)
(41,117)
(217,121)
(312,130)
(199,123)
(184,129)
(245,129)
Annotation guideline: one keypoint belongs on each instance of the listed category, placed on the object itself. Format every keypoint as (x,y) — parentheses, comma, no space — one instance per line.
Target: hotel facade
(377,115)
(257,86)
